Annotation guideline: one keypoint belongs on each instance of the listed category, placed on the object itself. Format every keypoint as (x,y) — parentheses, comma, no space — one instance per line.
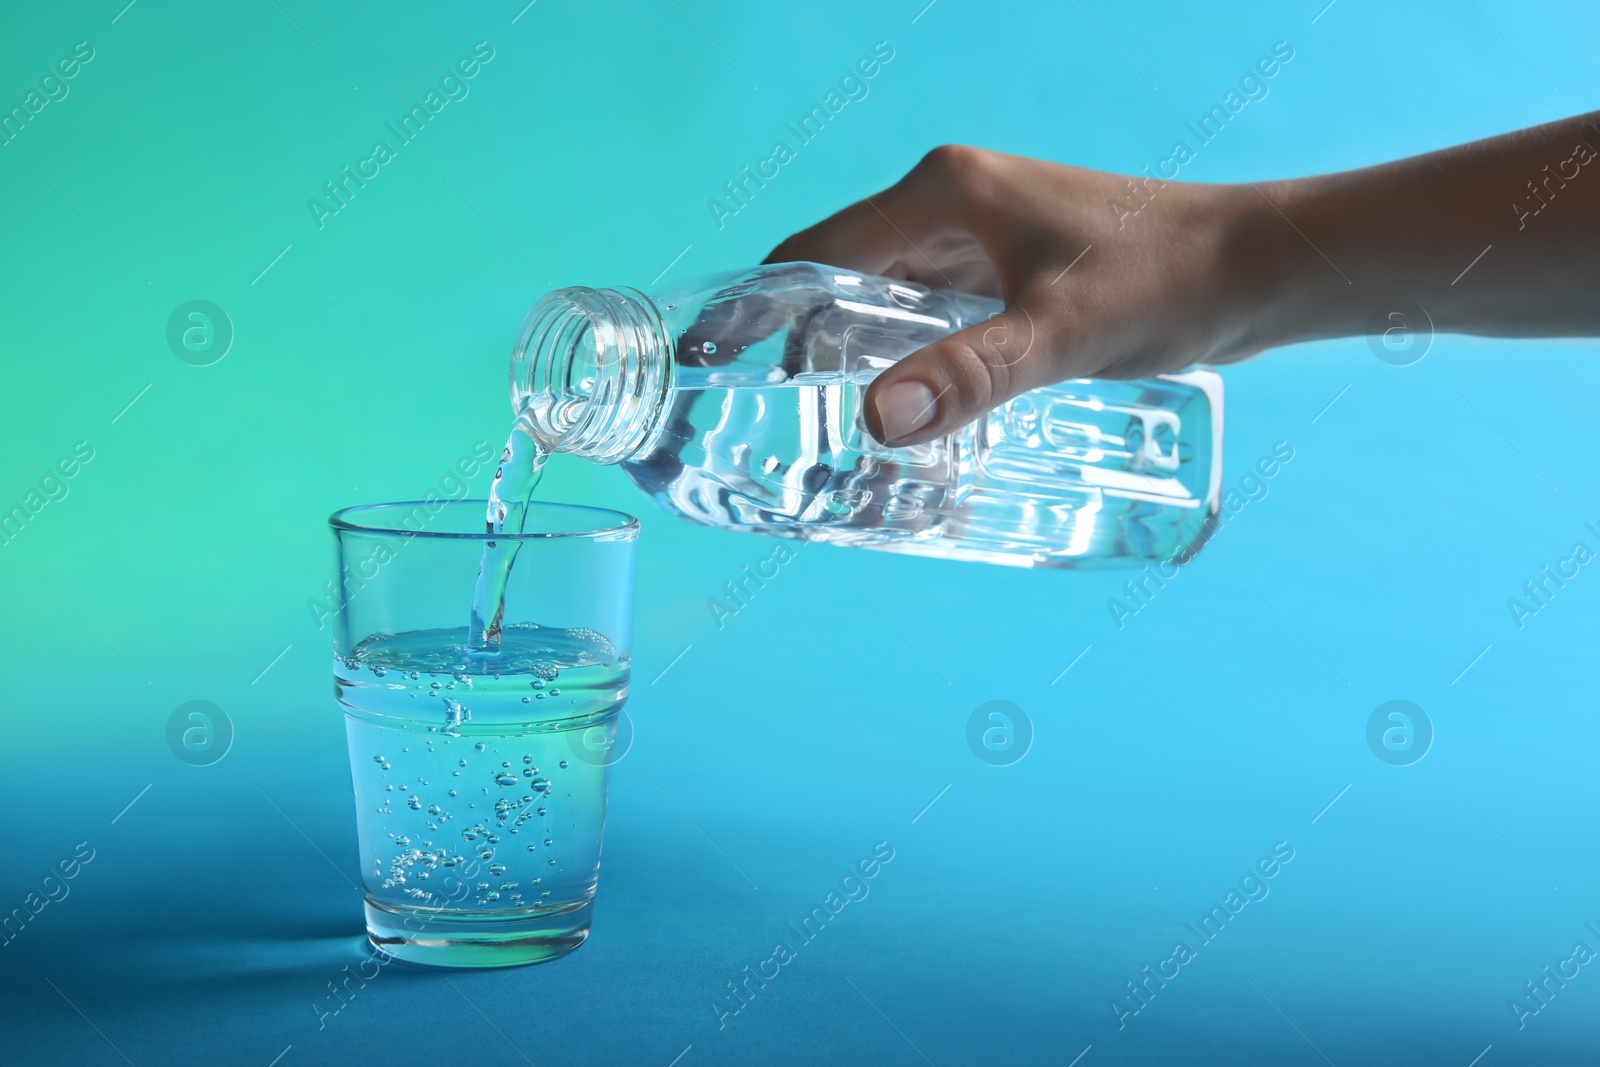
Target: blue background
(773,753)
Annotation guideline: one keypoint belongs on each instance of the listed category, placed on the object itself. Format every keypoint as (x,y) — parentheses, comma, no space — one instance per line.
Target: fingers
(958,378)
(857,238)
(950,221)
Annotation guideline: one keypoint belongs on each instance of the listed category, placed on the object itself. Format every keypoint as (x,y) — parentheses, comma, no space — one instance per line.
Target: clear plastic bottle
(736,401)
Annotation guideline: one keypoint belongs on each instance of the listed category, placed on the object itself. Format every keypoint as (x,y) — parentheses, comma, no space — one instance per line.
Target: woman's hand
(1102,276)
(1115,277)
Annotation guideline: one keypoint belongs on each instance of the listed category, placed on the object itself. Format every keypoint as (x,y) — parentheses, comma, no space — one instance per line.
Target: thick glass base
(507,938)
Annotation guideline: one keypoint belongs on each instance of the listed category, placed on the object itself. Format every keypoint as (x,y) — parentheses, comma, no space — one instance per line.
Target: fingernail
(904,408)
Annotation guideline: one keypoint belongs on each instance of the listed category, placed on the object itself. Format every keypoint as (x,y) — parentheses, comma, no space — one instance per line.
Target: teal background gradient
(774,752)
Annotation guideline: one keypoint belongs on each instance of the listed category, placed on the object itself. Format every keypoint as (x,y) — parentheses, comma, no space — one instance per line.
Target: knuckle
(1009,338)
(951,161)
(978,381)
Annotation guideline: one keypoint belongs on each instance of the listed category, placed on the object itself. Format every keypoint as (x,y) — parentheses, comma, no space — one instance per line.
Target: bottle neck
(591,372)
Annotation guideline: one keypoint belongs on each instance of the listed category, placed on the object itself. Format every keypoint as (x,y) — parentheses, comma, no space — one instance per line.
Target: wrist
(1285,287)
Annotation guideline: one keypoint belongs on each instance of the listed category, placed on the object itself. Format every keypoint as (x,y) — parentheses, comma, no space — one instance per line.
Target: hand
(1115,277)
(1102,276)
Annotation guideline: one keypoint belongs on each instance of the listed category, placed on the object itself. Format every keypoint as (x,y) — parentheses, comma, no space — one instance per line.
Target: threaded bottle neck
(591,372)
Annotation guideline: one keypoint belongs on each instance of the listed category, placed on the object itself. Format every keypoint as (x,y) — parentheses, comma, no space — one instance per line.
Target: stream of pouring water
(517,477)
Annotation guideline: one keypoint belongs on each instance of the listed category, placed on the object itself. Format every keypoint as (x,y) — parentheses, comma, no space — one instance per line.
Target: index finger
(860,237)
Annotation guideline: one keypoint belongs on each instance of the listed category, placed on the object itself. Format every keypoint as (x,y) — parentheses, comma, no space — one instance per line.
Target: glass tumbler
(480,772)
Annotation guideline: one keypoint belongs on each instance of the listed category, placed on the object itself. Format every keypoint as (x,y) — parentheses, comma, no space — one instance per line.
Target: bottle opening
(591,372)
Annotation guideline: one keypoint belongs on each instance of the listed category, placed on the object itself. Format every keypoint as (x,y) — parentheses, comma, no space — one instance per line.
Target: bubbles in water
(709,347)
(601,650)
(542,655)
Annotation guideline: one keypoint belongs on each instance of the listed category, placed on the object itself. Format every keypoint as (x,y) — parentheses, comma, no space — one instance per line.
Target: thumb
(958,378)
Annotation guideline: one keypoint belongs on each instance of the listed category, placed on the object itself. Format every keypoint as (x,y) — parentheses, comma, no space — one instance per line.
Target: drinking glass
(480,773)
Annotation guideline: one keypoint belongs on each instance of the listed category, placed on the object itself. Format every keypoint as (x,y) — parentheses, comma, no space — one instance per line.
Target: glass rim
(621,525)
